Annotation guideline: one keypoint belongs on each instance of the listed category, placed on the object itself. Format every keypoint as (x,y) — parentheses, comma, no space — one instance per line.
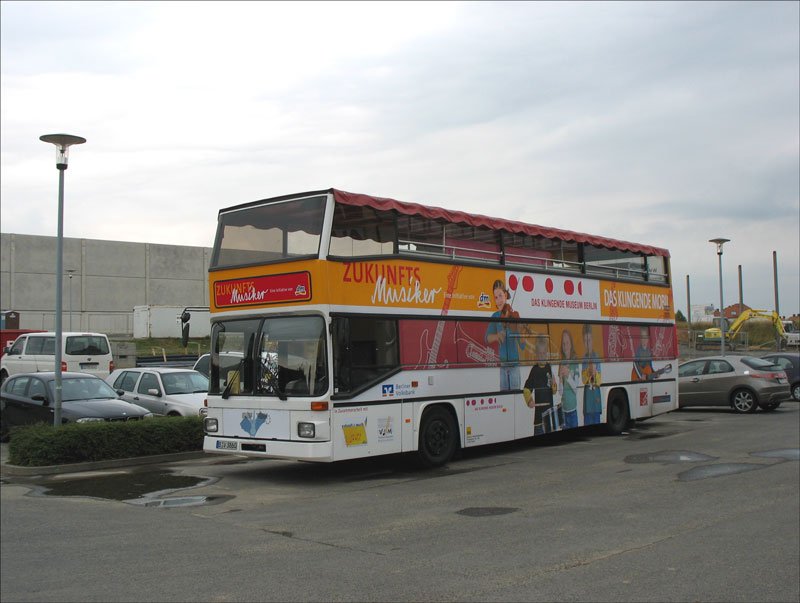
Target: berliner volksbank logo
(387,391)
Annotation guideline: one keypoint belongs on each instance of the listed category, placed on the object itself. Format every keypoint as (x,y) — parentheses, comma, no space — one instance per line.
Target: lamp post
(719,243)
(62,143)
(70,271)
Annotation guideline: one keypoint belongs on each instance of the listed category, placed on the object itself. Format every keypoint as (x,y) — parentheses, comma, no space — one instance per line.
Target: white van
(80,353)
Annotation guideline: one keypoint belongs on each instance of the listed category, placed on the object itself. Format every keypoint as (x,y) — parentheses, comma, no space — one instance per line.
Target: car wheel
(438,437)
(617,414)
(743,401)
(796,391)
(770,405)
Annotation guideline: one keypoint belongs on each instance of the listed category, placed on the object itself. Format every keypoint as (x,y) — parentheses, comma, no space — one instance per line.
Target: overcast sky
(660,123)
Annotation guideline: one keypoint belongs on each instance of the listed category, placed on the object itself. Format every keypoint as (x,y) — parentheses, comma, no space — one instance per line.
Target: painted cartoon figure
(539,392)
(569,380)
(506,338)
(643,364)
(643,369)
(591,378)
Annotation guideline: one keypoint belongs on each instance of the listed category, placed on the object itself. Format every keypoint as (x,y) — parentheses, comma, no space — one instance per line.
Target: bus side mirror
(185,328)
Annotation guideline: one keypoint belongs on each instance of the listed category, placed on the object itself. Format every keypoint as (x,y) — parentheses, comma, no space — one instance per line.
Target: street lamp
(62,143)
(719,243)
(70,271)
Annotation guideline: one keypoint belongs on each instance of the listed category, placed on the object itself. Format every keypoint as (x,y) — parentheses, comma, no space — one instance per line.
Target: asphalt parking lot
(696,505)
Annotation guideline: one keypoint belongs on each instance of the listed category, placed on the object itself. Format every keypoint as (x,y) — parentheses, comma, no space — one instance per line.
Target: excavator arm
(713,334)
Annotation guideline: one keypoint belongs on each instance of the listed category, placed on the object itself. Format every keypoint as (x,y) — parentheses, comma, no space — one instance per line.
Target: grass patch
(155,346)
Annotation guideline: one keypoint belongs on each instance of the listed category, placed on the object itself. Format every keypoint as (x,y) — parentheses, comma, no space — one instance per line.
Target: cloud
(665,123)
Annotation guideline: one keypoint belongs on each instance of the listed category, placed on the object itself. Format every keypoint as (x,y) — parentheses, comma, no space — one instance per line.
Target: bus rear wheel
(617,415)
(438,437)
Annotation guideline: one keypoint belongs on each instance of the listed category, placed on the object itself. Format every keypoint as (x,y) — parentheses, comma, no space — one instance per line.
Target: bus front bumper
(276,449)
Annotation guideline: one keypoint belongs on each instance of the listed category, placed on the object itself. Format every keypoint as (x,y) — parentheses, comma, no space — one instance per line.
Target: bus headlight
(211,425)
(306,430)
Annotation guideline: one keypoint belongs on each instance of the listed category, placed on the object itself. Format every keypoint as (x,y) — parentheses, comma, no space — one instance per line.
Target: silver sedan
(742,382)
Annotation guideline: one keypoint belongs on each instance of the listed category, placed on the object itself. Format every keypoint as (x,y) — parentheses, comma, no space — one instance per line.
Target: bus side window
(365,349)
(341,355)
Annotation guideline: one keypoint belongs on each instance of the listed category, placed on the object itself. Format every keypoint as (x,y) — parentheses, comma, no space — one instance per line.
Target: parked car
(162,390)
(790,363)
(36,352)
(30,398)
(742,382)
(229,361)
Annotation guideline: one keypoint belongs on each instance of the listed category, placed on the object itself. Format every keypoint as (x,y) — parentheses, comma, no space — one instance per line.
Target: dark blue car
(790,363)
(29,398)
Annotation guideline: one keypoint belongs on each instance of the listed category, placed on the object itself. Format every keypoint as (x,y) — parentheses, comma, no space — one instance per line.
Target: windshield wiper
(273,381)
(227,391)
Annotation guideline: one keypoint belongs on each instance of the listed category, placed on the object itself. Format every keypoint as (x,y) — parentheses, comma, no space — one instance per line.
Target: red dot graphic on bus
(527,283)
(580,288)
(548,284)
(512,282)
(569,287)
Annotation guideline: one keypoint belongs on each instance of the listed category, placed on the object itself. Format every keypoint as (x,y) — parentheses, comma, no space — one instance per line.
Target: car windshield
(759,363)
(184,382)
(83,388)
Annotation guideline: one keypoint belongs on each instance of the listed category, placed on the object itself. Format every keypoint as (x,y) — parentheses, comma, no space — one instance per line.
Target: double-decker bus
(349,325)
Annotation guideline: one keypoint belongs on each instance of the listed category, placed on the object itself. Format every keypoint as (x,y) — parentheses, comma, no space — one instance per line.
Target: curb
(7,470)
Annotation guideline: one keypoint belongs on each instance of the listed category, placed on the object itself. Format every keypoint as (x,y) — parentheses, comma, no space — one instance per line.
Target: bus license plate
(223,445)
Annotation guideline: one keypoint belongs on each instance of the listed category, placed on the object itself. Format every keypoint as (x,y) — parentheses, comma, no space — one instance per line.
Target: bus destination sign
(261,290)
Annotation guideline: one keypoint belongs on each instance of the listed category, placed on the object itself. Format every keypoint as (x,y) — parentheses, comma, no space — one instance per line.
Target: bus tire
(617,414)
(438,437)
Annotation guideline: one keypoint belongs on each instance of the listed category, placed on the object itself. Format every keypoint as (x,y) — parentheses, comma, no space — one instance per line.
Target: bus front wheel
(438,437)
(617,414)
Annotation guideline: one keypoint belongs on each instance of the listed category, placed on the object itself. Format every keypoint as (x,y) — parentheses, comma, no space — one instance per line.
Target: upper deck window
(614,263)
(271,232)
(452,241)
(656,269)
(362,231)
(530,250)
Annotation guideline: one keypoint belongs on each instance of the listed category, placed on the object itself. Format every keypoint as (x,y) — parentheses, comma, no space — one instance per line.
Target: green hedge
(39,445)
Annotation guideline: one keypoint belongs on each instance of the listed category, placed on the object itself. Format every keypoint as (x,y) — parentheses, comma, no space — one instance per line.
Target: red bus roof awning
(460,217)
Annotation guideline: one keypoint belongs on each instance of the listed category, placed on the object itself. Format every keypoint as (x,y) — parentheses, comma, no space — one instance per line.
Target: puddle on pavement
(787,454)
(180,501)
(707,471)
(486,511)
(145,488)
(639,434)
(669,457)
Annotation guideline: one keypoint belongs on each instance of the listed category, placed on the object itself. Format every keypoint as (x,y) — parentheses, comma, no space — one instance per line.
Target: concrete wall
(109,279)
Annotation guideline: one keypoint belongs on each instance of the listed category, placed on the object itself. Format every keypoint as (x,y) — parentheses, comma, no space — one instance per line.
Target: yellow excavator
(712,335)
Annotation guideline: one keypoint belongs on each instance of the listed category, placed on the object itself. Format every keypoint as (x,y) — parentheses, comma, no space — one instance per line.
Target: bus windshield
(282,356)
(269,232)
